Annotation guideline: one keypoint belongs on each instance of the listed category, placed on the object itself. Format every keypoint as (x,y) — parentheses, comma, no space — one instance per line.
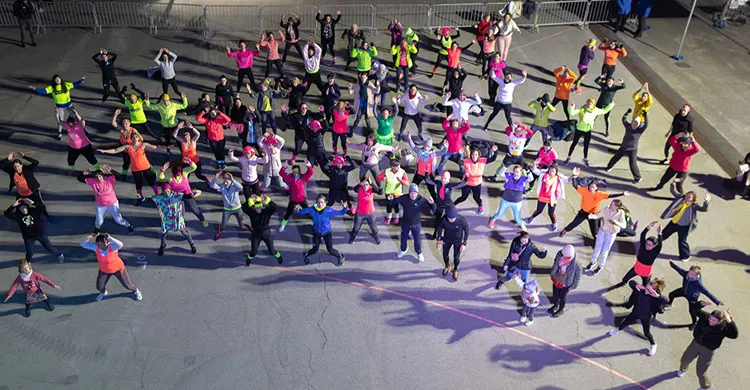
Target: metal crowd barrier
(254,19)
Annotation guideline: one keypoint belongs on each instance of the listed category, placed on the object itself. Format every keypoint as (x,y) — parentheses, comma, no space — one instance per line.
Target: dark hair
(176,169)
(101,238)
(331,75)
(223,77)
(63,87)
(415,86)
(547,143)
(242,41)
(653,240)
(522,234)
(16,161)
(747,157)
(321,196)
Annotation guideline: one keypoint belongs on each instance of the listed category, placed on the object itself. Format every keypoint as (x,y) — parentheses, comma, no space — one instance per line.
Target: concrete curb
(711,139)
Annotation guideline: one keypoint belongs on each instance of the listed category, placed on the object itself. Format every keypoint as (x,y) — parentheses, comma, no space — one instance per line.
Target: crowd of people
(250,136)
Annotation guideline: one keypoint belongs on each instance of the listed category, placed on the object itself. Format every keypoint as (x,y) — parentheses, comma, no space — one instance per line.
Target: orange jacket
(565,80)
(610,55)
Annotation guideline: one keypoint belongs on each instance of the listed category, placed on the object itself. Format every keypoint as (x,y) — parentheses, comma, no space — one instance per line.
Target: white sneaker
(652,351)
(614,331)
(138,295)
(401,254)
(680,373)
(102,295)
(420,257)
(282,228)
(524,319)
(61,258)
(529,323)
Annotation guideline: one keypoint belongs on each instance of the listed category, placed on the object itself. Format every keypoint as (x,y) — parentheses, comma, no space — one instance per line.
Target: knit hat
(450,212)
(591,42)
(165,97)
(338,160)
(568,251)
(446,30)
(591,101)
(428,143)
(248,149)
(413,187)
(315,125)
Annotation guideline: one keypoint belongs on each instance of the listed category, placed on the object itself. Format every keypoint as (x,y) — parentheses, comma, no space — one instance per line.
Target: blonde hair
(24,264)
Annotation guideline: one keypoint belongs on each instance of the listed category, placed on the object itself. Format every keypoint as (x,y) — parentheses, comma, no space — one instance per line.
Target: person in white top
(166,59)
(504,100)
(462,104)
(505,28)
(271,145)
(249,162)
(311,56)
(411,102)
(613,220)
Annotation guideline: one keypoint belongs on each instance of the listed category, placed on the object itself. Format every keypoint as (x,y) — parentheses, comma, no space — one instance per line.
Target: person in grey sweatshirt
(629,145)
(166,59)
(565,274)
(682,214)
(230,195)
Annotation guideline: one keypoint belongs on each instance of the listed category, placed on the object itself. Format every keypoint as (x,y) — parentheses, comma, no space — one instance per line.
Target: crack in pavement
(312,370)
(322,314)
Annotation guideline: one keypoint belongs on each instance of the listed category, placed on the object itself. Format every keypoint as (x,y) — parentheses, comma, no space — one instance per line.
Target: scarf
(412,96)
(27,276)
(680,210)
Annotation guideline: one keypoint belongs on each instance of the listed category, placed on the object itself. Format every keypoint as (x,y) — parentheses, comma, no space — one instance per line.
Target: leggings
(586,140)
(185,233)
(111,83)
(496,107)
(241,73)
(360,113)
(608,71)
(438,60)
(86,151)
(192,206)
(328,239)
(267,238)
(290,208)
(249,189)
(418,179)
(314,78)
(579,218)
(28,243)
(114,211)
(225,214)
(288,44)
(492,87)
(125,163)
(668,175)
(503,44)
(456,253)
(166,83)
(528,312)
(327,45)
(149,176)
(630,275)
(218,148)
(277,64)
(476,193)
(645,322)
(565,106)
(373,169)
(341,138)
(359,218)
(267,119)
(144,128)
(298,142)
(550,211)
(198,170)
(606,121)
(166,133)
(559,297)
(515,207)
(417,121)
(25,23)
(61,110)
(404,72)
(392,206)
(121,275)
(485,58)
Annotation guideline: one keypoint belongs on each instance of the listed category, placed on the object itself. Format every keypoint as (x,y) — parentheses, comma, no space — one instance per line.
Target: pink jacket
(455,137)
(272,47)
(339,122)
(244,58)
(104,192)
(547,158)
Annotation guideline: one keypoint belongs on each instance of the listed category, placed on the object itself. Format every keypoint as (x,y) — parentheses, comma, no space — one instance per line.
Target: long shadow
(728,254)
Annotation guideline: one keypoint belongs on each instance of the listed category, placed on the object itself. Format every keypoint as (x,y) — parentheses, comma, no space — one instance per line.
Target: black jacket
(631,137)
(27,171)
(712,336)
(107,67)
(327,31)
(448,201)
(23,11)
(456,84)
(682,124)
(260,221)
(31,224)
(296,94)
(352,38)
(224,94)
(289,29)
(644,256)
(413,209)
(456,232)
(300,123)
(331,95)
(646,306)
(339,177)
(315,138)
(524,255)
(238,114)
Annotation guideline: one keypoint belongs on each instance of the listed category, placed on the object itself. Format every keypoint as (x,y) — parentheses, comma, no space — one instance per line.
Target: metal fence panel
(179,16)
(461,15)
(6,15)
(363,15)
(242,18)
(410,15)
(270,16)
(601,11)
(120,14)
(562,13)
(67,15)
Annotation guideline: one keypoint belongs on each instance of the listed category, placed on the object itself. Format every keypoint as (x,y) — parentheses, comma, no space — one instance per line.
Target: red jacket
(31,286)
(297,190)
(365,202)
(454,57)
(455,137)
(680,160)
(483,28)
(214,127)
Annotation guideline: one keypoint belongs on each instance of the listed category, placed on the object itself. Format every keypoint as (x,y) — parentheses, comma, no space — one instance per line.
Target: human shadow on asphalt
(76,300)
(526,358)
(649,382)
(713,184)
(729,254)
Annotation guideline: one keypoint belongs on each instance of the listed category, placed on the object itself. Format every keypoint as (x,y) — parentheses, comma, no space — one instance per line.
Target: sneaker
(480,210)
(596,271)
(280,260)
(578,91)
(553,227)
(614,331)
(563,233)
(248,260)
(491,224)
(652,350)
(59,136)
(524,319)
(205,224)
(342,259)
(498,284)
(446,270)
(638,180)
(455,275)
(28,311)
(420,258)
(217,236)
(377,240)
(61,258)
(351,239)
(588,267)
(161,251)
(102,295)
(139,201)
(528,220)
(131,229)
(663,162)
(686,259)
(529,323)
(307,259)
(567,161)
(193,249)
(558,313)
(395,221)
(387,221)
(585,162)
(138,295)
(401,254)
(196,193)
(552,309)
(282,228)
(608,169)
(680,373)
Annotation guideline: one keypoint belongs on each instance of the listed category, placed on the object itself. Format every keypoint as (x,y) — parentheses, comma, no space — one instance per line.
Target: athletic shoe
(552,309)
(638,180)
(596,271)
(248,260)
(395,221)
(524,319)
(614,331)
(377,240)
(529,323)
(680,373)
(652,350)
(61,258)
(588,267)
(528,220)
(205,223)
(59,136)
(455,275)
(558,313)
(480,210)
(420,258)
(585,162)
(102,295)
(387,221)
(401,254)
(686,259)
(28,311)
(307,259)
(578,91)
(498,284)
(563,233)
(138,295)
(161,251)
(280,260)
(217,235)
(608,169)
(567,161)
(553,227)
(351,239)
(196,193)
(491,224)
(663,162)
(193,249)
(139,201)
(282,228)
(342,259)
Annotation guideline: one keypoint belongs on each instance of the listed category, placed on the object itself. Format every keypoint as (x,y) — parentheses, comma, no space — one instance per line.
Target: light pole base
(678,57)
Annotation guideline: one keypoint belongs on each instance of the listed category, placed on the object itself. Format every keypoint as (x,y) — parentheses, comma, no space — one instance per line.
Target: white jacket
(273,154)
(411,106)
(312,64)
(461,108)
(505,91)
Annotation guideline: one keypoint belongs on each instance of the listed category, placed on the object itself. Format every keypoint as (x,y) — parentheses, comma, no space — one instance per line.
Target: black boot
(161,251)
(193,249)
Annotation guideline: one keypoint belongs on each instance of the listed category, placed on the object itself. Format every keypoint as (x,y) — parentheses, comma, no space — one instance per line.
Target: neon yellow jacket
(60,97)
(396,51)
(640,106)
(541,118)
(587,116)
(168,114)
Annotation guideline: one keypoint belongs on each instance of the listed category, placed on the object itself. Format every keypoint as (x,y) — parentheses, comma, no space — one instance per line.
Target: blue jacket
(644,8)
(624,6)
(322,218)
(693,288)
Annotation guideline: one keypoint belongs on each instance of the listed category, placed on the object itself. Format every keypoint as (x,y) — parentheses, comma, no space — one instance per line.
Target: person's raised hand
(707,198)
(576,171)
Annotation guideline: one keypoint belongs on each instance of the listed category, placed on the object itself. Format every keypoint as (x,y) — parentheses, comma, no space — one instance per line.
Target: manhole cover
(683,64)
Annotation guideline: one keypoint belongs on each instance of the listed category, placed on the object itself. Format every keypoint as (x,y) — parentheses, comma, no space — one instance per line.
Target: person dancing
(106,249)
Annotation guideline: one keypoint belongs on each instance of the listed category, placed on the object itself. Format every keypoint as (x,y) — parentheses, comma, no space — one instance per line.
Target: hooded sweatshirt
(297,187)
(530,294)
(230,194)
(524,253)
(322,217)
(214,126)
(693,288)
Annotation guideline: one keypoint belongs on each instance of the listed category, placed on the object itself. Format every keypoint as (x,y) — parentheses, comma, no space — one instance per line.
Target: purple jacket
(587,54)
(396,32)
(514,188)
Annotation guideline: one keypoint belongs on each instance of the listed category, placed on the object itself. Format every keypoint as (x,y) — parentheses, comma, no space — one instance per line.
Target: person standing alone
(24,11)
